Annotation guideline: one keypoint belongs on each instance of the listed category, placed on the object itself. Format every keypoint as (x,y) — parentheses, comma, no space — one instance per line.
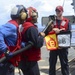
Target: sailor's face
(59,13)
(35,17)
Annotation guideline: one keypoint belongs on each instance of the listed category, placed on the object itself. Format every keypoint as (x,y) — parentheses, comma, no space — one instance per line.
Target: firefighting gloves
(8,54)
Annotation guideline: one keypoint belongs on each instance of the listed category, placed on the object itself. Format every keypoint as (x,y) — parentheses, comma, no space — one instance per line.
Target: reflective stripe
(54,22)
(63,23)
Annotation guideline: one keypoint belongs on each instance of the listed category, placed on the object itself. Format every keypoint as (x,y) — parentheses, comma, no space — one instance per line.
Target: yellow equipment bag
(51,41)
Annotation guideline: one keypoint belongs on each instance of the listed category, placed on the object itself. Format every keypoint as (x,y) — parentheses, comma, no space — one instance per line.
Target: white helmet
(16,12)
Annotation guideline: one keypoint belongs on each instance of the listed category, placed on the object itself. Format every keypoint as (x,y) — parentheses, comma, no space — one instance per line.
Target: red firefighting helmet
(32,12)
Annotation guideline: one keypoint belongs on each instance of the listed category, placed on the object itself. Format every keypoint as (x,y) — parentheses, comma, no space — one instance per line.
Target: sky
(44,8)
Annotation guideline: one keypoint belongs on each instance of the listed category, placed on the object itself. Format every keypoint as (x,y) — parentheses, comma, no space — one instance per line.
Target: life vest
(63,24)
(51,38)
(16,58)
(32,54)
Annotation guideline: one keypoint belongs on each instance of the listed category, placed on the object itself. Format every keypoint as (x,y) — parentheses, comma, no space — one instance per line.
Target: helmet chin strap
(17,20)
(20,21)
(34,20)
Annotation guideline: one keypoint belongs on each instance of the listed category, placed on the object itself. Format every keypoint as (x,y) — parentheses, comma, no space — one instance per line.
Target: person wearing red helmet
(29,58)
(61,24)
(10,39)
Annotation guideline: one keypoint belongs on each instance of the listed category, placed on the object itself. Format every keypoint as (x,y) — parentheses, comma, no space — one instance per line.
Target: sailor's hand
(42,34)
(62,29)
(57,30)
(8,54)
